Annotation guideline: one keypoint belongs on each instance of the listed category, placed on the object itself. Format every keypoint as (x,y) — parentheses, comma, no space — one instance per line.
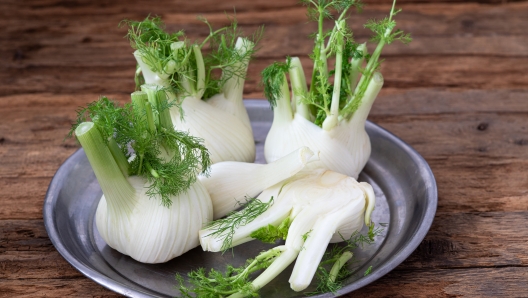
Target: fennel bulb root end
(152,233)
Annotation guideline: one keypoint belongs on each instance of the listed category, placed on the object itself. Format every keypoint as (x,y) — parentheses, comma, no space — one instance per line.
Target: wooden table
(458,94)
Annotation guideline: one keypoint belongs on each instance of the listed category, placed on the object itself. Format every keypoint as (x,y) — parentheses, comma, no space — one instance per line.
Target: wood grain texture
(452,42)
(458,94)
(43,287)
(474,282)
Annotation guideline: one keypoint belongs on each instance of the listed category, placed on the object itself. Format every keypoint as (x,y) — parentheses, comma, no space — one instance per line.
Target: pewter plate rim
(417,235)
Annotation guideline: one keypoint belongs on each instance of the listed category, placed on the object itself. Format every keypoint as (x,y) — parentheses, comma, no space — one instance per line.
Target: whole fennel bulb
(345,148)
(139,226)
(209,108)
(310,210)
(330,116)
(152,205)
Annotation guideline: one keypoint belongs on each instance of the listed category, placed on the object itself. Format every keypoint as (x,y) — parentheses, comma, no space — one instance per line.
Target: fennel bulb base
(344,149)
(151,232)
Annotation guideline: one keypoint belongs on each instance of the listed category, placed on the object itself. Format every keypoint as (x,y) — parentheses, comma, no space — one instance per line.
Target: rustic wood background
(458,94)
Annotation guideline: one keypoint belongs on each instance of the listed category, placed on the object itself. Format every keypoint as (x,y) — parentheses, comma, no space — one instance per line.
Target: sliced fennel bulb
(320,206)
(211,109)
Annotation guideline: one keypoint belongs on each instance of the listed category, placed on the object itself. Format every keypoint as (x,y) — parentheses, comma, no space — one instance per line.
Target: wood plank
(113,51)
(16,265)
(55,58)
(25,197)
(24,235)
(461,29)
(397,102)
(38,10)
(34,161)
(45,287)
(399,72)
(33,79)
(468,135)
(469,240)
(47,7)
(481,282)
(451,135)
(427,20)
(463,152)
(474,282)
(459,188)
(481,188)
(287,41)
(464,185)
(390,102)
(46,122)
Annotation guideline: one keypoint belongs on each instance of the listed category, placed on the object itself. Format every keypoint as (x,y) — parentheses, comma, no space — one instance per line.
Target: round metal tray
(406,199)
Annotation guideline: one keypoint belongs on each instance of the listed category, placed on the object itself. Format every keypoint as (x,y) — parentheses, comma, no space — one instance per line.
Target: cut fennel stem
(231,182)
(325,206)
(129,220)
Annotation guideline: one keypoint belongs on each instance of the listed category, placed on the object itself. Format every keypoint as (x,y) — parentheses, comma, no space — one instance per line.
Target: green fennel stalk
(181,65)
(142,142)
(329,101)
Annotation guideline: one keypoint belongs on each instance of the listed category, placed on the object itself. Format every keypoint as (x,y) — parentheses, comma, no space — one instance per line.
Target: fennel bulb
(345,148)
(137,225)
(153,205)
(309,210)
(231,182)
(330,116)
(210,108)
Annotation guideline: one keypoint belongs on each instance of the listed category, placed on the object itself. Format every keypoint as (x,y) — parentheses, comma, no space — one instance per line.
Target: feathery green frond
(330,280)
(152,41)
(225,228)
(331,91)
(273,77)
(170,160)
(224,55)
(215,284)
(173,58)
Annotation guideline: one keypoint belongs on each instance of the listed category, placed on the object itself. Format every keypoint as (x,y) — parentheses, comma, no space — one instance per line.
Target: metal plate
(406,199)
